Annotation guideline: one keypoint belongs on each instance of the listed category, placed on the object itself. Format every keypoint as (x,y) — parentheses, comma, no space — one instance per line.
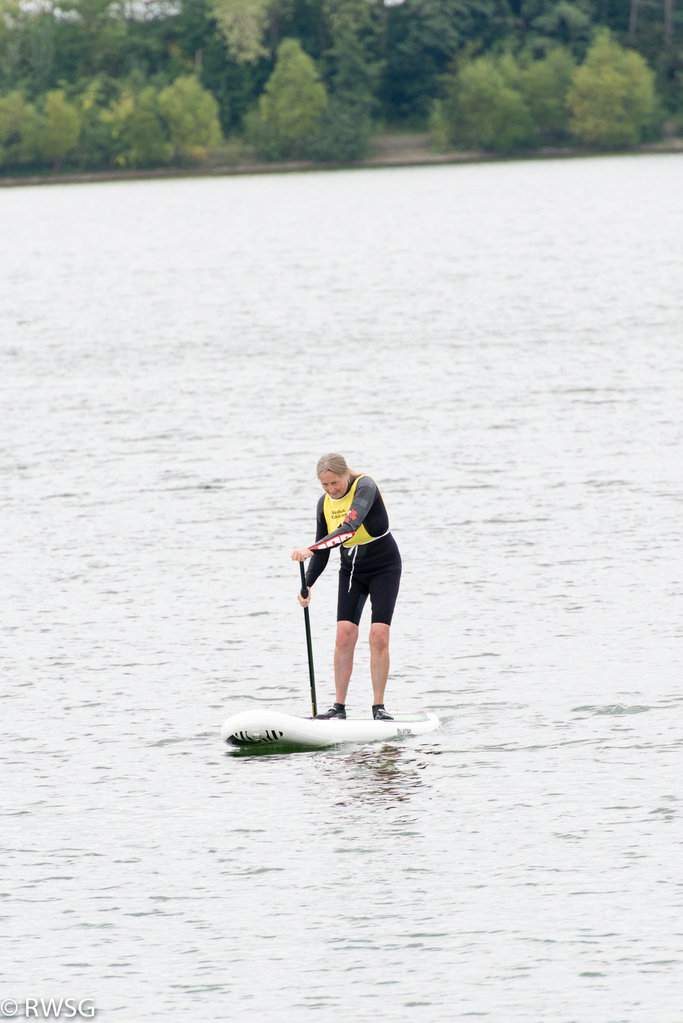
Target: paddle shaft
(311,673)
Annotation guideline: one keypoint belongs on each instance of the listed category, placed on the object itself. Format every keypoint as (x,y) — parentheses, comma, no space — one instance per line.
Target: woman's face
(335,486)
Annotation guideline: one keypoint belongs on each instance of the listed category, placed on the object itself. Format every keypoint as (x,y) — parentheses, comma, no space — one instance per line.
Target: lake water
(500,346)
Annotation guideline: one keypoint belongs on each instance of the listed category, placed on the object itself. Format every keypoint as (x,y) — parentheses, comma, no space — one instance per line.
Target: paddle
(304,594)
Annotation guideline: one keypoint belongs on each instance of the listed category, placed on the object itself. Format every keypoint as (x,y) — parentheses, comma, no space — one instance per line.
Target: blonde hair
(336,464)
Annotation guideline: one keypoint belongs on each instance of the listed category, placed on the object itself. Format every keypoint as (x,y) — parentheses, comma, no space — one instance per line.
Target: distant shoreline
(392,151)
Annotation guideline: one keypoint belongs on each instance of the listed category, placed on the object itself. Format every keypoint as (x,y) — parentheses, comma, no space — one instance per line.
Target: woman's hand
(301,555)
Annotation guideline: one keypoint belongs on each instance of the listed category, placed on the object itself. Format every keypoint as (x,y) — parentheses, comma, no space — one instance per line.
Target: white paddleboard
(263,727)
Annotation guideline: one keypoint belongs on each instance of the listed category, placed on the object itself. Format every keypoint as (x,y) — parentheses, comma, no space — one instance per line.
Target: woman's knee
(347,634)
(379,636)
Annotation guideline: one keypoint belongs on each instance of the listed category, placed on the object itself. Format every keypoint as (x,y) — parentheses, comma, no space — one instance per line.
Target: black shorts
(381,585)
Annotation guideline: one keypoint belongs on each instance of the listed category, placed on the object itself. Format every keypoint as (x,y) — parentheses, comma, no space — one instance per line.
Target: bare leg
(379,659)
(347,634)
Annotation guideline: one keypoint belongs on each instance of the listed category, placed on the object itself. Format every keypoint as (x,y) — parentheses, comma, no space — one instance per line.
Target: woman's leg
(383,593)
(347,634)
(379,659)
(351,597)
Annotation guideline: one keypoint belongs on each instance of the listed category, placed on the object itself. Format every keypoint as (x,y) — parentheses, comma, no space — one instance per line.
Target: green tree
(439,128)
(191,114)
(139,136)
(510,70)
(421,40)
(354,67)
(60,129)
(290,106)
(444,27)
(544,85)
(96,148)
(353,72)
(485,111)
(342,135)
(37,46)
(96,38)
(20,125)
(10,15)
(544,24)
(243,23)
(612,98)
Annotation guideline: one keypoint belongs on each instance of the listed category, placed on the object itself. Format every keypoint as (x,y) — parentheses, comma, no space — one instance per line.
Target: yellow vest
(336,511)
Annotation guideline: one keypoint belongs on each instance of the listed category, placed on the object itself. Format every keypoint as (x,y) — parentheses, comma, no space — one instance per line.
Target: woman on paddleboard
(352,516)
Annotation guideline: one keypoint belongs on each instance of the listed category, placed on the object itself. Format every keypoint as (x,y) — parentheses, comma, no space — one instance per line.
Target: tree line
(142,83)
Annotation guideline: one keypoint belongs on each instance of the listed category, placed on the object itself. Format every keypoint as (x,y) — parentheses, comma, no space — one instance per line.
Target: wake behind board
(271,728)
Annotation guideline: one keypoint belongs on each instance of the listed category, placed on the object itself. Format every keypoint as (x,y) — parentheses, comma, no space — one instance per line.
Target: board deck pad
(261,727)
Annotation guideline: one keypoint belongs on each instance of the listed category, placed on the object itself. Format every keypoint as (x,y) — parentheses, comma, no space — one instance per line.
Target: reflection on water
(378,776)
(366,774)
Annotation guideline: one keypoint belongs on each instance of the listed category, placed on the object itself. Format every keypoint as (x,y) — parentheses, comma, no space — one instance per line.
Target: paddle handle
(309,645)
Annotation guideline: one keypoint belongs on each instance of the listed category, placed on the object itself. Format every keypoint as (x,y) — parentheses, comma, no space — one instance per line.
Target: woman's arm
(320,558)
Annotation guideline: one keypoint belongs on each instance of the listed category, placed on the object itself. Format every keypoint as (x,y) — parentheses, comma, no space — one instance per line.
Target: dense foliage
(96,83)
(503,103)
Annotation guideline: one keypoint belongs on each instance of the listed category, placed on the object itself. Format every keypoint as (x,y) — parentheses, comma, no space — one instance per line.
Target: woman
(352,516)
